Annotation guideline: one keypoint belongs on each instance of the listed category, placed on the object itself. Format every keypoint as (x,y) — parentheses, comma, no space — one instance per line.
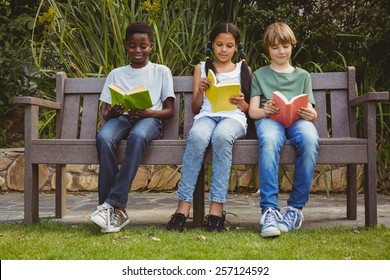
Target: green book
(137,98)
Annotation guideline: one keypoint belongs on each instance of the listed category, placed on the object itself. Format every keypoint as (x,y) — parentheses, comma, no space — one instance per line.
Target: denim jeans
(271,135)
(222,132)
(114,182)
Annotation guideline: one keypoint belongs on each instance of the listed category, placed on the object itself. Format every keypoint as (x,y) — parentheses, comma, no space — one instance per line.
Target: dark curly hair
(139,27)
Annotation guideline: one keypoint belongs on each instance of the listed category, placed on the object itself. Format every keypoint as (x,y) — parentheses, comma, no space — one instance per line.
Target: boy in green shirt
(291,81)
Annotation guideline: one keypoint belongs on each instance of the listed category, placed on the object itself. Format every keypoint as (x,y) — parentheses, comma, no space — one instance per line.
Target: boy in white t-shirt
(138,127)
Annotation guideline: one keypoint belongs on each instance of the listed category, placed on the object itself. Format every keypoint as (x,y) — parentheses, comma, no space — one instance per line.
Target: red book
(288,109)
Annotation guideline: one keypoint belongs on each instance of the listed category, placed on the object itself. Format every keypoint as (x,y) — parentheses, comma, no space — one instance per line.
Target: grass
(53,240)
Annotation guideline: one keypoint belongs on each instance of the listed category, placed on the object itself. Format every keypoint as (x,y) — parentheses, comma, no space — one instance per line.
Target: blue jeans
(271,135)
(114,182)
(222,132)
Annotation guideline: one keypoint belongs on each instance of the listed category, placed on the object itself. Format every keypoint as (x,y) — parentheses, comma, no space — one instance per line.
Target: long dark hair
(232,29)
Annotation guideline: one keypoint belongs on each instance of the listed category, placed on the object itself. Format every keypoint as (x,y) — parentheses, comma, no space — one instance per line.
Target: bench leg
(31,188)
(198,203)
(370,195)
(60,190)
(351,192)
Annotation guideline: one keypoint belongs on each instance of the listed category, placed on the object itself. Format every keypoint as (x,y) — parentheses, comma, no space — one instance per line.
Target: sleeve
(167,84)
(309,89)
(105,95)
(255,86)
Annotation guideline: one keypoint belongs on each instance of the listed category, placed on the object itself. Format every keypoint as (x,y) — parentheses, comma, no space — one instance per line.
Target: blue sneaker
(292,219)
(269,221)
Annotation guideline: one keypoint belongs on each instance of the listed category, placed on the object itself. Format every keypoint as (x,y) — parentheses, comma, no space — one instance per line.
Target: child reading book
(279,40)
(221,128)
(138,127)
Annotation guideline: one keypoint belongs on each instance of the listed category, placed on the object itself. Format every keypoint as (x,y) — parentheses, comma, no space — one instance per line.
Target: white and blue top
(229,77)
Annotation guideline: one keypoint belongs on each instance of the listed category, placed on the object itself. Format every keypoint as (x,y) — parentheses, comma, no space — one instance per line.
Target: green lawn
(53,240)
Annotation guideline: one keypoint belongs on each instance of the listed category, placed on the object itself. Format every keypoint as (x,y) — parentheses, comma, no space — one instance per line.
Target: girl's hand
(270,108)
(204,84)
(240,102)
(309,113)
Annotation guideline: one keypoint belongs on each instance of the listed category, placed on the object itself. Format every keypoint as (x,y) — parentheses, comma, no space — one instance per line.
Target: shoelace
(270,217)
(104,208)
(117,214)
(292,215)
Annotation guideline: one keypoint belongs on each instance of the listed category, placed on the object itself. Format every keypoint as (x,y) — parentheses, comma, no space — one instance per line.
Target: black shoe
(176,223)
(215,223)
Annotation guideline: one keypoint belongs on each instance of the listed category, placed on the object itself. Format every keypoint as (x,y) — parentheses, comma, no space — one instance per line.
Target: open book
(219,94)
(288,109)
(137,98)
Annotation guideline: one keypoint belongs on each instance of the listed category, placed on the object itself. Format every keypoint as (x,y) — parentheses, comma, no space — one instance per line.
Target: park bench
(77,119)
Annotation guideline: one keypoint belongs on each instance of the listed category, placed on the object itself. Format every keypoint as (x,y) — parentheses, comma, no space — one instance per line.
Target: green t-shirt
(265,81)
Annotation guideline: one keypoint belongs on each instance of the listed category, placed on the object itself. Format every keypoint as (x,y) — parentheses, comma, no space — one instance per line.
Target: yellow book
(219,94)
(137,98)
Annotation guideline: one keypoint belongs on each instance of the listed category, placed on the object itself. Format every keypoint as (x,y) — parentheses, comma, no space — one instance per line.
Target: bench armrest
(29,100)
(369,97)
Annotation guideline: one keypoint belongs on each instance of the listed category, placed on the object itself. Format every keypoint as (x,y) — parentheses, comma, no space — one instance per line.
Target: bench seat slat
(171,151)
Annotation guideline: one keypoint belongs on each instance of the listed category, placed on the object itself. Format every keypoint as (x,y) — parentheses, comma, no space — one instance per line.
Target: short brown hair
(278,33)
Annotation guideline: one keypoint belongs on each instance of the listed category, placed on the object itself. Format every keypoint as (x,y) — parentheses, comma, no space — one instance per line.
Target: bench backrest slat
(321,123)
(90,115)
(80,98)
(339,119)
(71,115)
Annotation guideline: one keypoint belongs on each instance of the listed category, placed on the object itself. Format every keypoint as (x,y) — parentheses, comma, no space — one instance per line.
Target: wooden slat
(71,115)
(188,114)
(321,122)
(171,151)
(182,84)
(84,85)
(329,81)
(90,115)
(340,113)
(171,126)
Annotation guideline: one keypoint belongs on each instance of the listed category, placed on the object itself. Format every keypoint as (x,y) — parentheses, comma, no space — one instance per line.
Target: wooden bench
(77,106)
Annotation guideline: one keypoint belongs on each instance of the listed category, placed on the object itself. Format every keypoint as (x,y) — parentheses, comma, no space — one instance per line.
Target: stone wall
(157,178)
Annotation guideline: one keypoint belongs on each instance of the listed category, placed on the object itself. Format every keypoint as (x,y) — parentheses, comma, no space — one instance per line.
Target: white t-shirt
(229,77)
(156,77)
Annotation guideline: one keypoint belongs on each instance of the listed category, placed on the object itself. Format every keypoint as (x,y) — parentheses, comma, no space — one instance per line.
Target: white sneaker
(269,221)
(292,219)
(103,215)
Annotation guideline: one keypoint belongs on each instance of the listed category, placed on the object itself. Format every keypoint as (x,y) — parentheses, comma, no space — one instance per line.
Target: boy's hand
(136,115)
(270,108)
(114,111)
(309,113)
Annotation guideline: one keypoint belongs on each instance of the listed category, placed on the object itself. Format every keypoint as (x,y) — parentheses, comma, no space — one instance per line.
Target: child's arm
(309,113)
(198,88)
(167,112)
